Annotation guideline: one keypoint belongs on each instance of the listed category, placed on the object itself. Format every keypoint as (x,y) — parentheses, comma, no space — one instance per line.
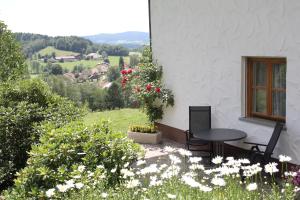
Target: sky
(74,17)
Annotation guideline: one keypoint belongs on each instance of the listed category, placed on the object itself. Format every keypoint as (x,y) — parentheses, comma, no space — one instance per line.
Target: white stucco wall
(200,44)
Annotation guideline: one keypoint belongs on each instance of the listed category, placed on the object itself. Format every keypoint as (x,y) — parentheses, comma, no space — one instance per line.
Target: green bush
(24,106)
(61,151)
(143,128)
(114,96)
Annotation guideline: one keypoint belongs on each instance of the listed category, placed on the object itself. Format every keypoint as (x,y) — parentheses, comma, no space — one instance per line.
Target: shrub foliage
(24,106)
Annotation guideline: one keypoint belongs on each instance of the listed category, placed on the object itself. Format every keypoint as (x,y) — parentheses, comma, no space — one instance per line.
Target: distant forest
(32,43)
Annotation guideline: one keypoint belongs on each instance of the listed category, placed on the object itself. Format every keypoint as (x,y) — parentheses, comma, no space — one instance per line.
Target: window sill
(260,121)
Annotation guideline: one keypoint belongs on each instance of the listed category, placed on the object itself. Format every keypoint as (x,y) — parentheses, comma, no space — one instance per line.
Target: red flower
(124,79)
(148,87)
(157,90)
(129,71)
(124,72)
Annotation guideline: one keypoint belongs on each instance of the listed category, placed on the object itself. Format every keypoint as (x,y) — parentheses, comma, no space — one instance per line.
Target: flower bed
(184,177)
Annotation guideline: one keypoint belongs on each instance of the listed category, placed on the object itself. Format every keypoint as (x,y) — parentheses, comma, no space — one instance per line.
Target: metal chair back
(199,118)
(273,141)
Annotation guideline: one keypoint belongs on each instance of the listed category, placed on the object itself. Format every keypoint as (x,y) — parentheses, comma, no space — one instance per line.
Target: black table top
(220,134)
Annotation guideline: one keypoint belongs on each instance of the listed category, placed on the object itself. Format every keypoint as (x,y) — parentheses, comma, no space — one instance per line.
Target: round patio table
(218,136)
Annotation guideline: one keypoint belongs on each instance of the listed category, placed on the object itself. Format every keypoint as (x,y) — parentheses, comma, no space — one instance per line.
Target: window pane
(279,74)
(259,74)
(278,103)
(259,101)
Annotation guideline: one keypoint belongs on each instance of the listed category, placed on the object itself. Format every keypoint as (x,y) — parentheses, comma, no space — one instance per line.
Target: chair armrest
(188,135)
(256,144)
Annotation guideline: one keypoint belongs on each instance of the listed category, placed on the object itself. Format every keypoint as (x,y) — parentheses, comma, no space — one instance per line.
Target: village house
(66,58)
(93,56)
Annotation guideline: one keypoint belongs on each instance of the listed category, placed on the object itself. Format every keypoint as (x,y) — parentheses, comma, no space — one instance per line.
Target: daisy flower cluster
(170,180)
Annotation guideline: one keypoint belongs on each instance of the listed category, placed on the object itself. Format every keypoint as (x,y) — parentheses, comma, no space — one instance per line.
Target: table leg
(219,149)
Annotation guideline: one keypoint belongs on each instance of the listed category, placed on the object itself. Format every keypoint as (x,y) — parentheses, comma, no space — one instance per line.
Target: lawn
(48,50)
(120,119)
(114,60)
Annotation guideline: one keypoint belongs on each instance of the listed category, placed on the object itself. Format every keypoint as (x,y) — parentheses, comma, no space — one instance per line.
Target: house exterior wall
(201,45)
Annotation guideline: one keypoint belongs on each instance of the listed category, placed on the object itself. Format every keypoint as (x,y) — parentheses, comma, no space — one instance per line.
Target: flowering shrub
(145,80)
(66,154)
(172,181)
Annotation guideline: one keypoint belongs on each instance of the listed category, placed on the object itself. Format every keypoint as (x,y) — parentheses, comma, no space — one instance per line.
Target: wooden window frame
(249,94)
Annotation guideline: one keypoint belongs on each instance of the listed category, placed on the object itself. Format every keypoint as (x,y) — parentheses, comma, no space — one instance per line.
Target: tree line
(32,43)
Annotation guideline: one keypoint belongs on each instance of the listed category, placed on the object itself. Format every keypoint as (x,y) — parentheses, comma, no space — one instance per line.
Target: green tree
(56,69)
(121,63)
(104,54)
(106,60)
(114,96)
(78,68)
(113,74)
(134,60)
(35,67)
(12,62)
(53,55)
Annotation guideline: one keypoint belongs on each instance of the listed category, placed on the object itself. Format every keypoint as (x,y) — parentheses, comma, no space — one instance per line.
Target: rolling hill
(129,38)
(50,49)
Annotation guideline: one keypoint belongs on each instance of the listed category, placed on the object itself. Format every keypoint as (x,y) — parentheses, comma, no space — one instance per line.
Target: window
(266,88)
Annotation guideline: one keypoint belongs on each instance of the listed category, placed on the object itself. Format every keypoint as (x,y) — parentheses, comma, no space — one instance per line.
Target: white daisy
(133,183)
(104,195)
(195,159)
(62,188)
(217,160)
(251,187)
(79,185)
(184,152)
(50,192)
(171,196)
(271,168)
(81,168)
(284,158)
(174,159)
(218,181)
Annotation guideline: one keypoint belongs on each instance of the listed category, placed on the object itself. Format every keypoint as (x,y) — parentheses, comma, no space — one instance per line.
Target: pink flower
(157,90)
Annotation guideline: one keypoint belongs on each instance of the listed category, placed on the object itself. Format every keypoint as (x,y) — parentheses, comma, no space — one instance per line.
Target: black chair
(199,119)
(265,155)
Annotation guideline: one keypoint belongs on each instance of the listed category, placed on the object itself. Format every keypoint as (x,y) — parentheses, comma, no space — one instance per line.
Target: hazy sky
(74,17)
